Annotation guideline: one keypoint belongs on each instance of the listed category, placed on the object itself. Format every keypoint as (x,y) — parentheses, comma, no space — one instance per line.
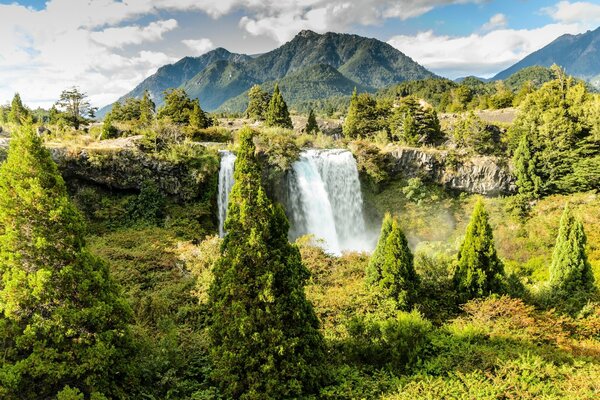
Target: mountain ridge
(578,54)
(221,75)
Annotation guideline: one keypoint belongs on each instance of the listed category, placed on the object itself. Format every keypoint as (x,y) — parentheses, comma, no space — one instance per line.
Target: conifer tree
(198,119)
(570,271)
(363,116)
(147,109)
(311,124)
(264,332)
(373,272)
(277,112)
(62,319)
(398,280)
(479,271)
(18,114)
(258,102)
(528,182)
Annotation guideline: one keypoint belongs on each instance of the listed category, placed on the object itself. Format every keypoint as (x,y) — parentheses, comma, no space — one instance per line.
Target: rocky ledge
(125,167)
(485,175)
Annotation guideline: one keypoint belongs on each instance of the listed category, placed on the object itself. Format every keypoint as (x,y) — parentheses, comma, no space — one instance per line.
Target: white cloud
(282,19)
(199,46)
(497,21)
(127,35)
(577,12)
(477,54)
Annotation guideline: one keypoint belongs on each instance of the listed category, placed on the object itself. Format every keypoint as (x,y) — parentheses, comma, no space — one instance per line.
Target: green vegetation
(312,127)
(571,276)
(391,270)
(265,338)
(258,104)
(479,271)
(277,113)
(462,298)
(63,321)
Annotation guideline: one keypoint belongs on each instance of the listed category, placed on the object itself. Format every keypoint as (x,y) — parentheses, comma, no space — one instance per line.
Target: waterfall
(225,185)
(325,200)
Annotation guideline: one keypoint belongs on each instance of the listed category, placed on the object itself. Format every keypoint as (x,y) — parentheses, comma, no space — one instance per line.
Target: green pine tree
(373,272)
(277,112)
(198,119)
(62,319)
(398,280)
(528,182)
(265,337)
(570,271)
(18,114)
(258,102)
(311,124)
(479,271)
(147,109)
(363,117)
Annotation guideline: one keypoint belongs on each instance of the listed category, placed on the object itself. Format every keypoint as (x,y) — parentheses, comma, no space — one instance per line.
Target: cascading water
(325,200)
(225,185)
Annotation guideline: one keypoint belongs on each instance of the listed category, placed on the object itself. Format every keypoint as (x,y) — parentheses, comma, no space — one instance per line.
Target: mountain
(319,81)
(174,75)
(363,62)
(579,55)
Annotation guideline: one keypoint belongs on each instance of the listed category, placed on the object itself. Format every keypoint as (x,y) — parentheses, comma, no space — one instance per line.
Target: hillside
(579,55)
(174,75)
(312,83)
(220,75)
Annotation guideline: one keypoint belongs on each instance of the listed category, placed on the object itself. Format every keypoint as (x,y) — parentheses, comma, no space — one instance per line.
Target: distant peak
(307,33)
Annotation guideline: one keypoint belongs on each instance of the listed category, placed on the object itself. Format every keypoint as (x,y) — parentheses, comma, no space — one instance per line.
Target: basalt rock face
(477,174)
(128,168)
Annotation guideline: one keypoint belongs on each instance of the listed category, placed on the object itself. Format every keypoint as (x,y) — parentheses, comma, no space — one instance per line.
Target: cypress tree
(570,271)
(264,332)
(311,124)
(62,319)
(479,271)
(277,112)
(528,182)
(398,280)
(373,272)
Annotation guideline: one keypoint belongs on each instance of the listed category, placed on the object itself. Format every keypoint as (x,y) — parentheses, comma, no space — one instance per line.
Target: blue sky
(108,46)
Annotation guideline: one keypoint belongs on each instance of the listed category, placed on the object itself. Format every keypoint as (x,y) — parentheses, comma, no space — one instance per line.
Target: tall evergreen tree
(398,280)
(363,116)
(258,102)
(198,119)
(570,271)
(18,114)
(311,124)
(373,272)
(147,109)
(265,337)
(62,319)
(479,271)
(277,112)
(528,182)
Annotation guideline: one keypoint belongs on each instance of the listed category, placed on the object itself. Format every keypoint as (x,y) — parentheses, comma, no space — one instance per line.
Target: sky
(106,47)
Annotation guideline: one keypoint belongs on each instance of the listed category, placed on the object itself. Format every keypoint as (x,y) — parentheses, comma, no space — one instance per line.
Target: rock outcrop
(127,168)
(485,175)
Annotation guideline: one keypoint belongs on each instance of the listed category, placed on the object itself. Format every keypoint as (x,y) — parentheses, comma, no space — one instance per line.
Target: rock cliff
(486,175)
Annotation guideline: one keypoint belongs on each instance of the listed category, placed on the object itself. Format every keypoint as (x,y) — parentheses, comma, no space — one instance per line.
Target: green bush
(396,342)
